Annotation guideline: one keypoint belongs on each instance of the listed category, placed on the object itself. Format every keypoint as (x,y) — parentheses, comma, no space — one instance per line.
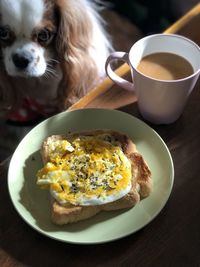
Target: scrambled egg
(88,171)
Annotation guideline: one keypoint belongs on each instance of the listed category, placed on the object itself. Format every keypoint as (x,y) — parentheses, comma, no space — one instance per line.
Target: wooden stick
(107,83)
(99,89)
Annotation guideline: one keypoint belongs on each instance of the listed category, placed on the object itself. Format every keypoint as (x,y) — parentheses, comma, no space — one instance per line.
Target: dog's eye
(4,33)
(44,36)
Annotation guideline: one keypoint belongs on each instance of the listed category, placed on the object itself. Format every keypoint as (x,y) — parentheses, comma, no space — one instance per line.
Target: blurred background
(126,21)
(152,16)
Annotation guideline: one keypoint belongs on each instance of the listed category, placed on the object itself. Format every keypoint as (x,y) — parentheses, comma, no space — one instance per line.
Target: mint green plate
(32,203)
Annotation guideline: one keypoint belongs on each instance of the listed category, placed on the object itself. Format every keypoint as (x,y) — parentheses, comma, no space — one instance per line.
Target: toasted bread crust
(70,214)
(141,181)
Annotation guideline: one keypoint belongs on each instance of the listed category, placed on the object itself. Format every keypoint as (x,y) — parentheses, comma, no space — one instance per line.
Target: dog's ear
(74,40)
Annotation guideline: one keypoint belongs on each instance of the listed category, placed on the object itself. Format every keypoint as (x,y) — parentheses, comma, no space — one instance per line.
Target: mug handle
(112,75)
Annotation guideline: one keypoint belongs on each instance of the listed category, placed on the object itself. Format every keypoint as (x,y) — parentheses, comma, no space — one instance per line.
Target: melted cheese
(88,171)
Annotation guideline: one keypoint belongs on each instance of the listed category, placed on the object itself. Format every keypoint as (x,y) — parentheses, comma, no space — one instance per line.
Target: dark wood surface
(171,239)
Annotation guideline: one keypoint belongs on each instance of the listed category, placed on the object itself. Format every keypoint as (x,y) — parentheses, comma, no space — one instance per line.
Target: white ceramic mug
(159,101)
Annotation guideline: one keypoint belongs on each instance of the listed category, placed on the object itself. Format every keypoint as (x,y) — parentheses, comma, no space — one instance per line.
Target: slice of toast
(141,183)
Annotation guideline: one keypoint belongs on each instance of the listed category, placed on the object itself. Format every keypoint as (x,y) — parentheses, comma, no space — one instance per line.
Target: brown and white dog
(51,53)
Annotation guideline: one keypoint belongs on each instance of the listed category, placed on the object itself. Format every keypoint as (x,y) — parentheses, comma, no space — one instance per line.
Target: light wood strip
(174,28)
(106,84)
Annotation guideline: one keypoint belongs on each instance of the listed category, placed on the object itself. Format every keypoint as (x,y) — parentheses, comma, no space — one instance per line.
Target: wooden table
(171,239)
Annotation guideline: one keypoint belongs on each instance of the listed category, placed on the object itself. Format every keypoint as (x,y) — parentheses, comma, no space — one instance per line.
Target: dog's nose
(22,60)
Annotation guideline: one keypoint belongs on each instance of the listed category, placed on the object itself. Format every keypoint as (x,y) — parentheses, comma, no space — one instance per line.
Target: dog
(52,52)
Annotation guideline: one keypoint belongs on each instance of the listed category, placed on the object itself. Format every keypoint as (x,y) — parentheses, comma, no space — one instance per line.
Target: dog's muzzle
(22,60)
